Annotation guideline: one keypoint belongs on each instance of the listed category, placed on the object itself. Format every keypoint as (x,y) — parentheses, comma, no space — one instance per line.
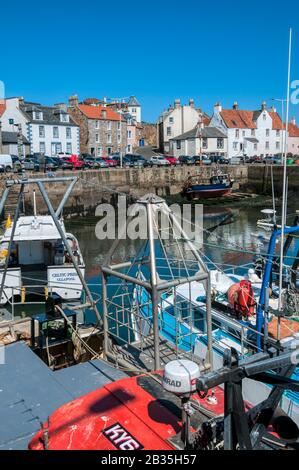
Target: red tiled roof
(277,122)
(241,119)
(95,112)
(235,118)
(2,107)
(293,130)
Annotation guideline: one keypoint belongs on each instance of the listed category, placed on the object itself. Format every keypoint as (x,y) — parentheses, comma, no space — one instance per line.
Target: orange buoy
(241,299)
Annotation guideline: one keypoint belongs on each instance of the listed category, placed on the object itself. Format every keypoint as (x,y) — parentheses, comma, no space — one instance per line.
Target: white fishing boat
(38,256)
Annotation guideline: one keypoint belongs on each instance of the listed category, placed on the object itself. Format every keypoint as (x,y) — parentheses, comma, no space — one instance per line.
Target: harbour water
(228,241)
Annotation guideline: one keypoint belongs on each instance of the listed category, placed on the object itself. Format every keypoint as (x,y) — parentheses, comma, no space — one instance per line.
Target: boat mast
(284,195)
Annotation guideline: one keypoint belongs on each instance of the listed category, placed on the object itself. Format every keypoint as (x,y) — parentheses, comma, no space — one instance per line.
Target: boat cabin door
(31,252)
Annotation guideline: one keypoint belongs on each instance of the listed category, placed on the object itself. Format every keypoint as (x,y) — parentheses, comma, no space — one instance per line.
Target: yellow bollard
(46,292)
(23,295)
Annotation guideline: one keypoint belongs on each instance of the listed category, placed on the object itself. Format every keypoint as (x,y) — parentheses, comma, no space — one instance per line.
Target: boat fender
(241,298)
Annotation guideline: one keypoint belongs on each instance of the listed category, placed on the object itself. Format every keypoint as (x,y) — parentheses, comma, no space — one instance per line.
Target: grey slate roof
(30,391)
(133,101)
(207,132)
(12,138)
(50,114)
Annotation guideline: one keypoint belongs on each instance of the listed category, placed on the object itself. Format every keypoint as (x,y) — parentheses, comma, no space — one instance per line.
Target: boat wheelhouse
(220,185)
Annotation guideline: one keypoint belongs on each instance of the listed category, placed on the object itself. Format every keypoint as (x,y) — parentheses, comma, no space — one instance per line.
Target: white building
(250,133)
(177,120)
(134,108)
(293,140)
(210,141)
(49,129)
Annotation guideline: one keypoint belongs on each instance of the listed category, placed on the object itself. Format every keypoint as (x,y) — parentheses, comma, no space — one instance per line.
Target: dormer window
(38,115)
(64,117)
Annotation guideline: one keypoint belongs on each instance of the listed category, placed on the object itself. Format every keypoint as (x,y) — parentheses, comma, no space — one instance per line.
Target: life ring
(241,299)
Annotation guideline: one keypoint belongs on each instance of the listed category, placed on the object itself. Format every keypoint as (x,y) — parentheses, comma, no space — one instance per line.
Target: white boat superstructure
(39,257)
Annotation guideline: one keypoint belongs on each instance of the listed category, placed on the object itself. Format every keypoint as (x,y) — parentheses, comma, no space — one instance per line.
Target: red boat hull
(207,194)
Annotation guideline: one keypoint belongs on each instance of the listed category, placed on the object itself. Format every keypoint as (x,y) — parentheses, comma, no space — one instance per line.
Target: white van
(6,163)
(236,160)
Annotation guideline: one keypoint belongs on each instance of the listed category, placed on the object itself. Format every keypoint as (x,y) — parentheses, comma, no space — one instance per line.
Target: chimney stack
(293,121)
(177,103)
(61,106)
(104,113)
(73,101)
(235,105)
(191,103)
(217,107)
(264,105)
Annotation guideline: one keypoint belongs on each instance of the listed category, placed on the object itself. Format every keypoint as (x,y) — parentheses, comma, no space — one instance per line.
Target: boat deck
(30,391)
(141,354)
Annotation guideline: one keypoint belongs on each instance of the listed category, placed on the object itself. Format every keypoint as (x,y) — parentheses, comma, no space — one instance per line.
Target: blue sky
(157,50)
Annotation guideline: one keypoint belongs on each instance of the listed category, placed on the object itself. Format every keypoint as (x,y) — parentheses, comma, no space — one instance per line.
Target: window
(97,125)
(243,133)
(168,131)
(99,151)
(255,146)
(109,126)
(252,132)
(118,138)
(204,143)
(97,138)
(109,138)
(237,133)
(69,147)
(171,120)
(178,144)
(38,115)
(134,110)
(235,145)
(129,148)
(55,132)
(277,145)
(129,134)
(118,126)
(109,150)
(220,143)
(68,131)
(42,147)
(41,130)
(267,145)
(277,133)
(267,132)
(64,117)
(58,147)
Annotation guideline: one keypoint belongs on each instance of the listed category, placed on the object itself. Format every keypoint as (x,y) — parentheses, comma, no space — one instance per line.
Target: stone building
(103,131)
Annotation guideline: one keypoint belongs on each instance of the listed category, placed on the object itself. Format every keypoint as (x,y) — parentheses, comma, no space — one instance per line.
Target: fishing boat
(220,185)
(38,257)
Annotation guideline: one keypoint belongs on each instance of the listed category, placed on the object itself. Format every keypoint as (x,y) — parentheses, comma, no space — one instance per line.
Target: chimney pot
(235,105)
(264,105)
(73,100)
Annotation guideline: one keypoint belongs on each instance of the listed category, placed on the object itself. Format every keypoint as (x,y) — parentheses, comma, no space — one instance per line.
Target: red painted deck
(121,415)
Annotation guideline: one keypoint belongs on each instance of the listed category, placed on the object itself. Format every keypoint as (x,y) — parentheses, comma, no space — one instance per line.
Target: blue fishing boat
(220,185)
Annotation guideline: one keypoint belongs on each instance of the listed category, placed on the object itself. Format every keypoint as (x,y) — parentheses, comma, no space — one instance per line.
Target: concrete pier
(92,186)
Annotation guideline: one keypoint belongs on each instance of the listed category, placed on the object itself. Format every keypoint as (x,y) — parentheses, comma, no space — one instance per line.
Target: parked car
(110,162)
(75,161)
(101,163)
(50,164)
(223,161)
(172,160)
(235,160)
(6,163)
(255,159)
(204,160)
(186,160)
(159,160)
